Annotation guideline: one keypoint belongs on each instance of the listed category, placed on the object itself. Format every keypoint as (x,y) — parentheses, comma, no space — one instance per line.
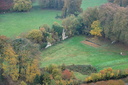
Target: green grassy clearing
(72,51)
(92,3)
(80,76)
(13,24)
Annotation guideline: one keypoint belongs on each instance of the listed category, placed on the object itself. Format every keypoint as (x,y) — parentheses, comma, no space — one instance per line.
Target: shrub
(43,45)
(96,29)
(107,74)
(54,71)
(52,4)
(22,5)
(35,36)
(83,69)
(115,82)
(110,82)
(57,28)
(46,78)
(23,83)
(46,27)
(5,5)
(66,74)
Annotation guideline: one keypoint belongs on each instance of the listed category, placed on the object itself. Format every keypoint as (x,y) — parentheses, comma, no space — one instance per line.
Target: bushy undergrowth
(107,74)
(22,5)
(109,82)
(83,69)
(54,75)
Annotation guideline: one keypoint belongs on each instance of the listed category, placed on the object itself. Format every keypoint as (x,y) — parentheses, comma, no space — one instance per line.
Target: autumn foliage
(123,3)
(96,29)
(22,5)
(107,74)
(66,74)
(109,82)
(18,60)
(5,5)
(35,36)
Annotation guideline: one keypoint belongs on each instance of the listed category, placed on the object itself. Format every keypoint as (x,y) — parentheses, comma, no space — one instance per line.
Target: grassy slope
(72,51)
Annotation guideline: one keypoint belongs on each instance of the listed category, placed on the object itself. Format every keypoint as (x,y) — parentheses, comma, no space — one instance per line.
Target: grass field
(13,24)
(92,3)
(72,51)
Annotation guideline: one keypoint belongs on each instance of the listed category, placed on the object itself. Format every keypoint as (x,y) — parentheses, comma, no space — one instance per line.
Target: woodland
(21,61)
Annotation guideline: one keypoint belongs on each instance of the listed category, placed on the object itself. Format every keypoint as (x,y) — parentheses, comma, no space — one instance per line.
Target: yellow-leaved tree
(19,60)
(32,70)
(22,5)
(28,57)
(8,59)
(35,36)
(10,63)
(96,29)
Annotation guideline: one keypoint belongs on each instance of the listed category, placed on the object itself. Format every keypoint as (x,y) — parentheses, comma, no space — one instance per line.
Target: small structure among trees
(63,35)
(48,45)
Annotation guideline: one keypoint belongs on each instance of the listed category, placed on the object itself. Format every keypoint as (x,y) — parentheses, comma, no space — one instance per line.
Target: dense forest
(122,3)
(20,57)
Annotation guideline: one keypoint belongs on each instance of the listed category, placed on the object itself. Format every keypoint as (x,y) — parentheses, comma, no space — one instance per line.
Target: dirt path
(90,43)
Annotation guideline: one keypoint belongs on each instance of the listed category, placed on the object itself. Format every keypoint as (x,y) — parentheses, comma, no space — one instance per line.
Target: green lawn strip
(13,24)
(114,63)
(80,76)
(67,52)
(92,3)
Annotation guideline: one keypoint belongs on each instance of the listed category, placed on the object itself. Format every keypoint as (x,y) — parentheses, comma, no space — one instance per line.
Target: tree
(88,17)
(111,0)
(46,27)
(57,28)
(106,17)
(8,59)
(5,5)
(119,2)
(10,63)
(67,74)
(3,45)
(22,5)
(28,57)
(32,70)
(71,7)
(123,3)
(23,83)
(96,29)
(52,4)
(54,71)
(72,25)
(35,36)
